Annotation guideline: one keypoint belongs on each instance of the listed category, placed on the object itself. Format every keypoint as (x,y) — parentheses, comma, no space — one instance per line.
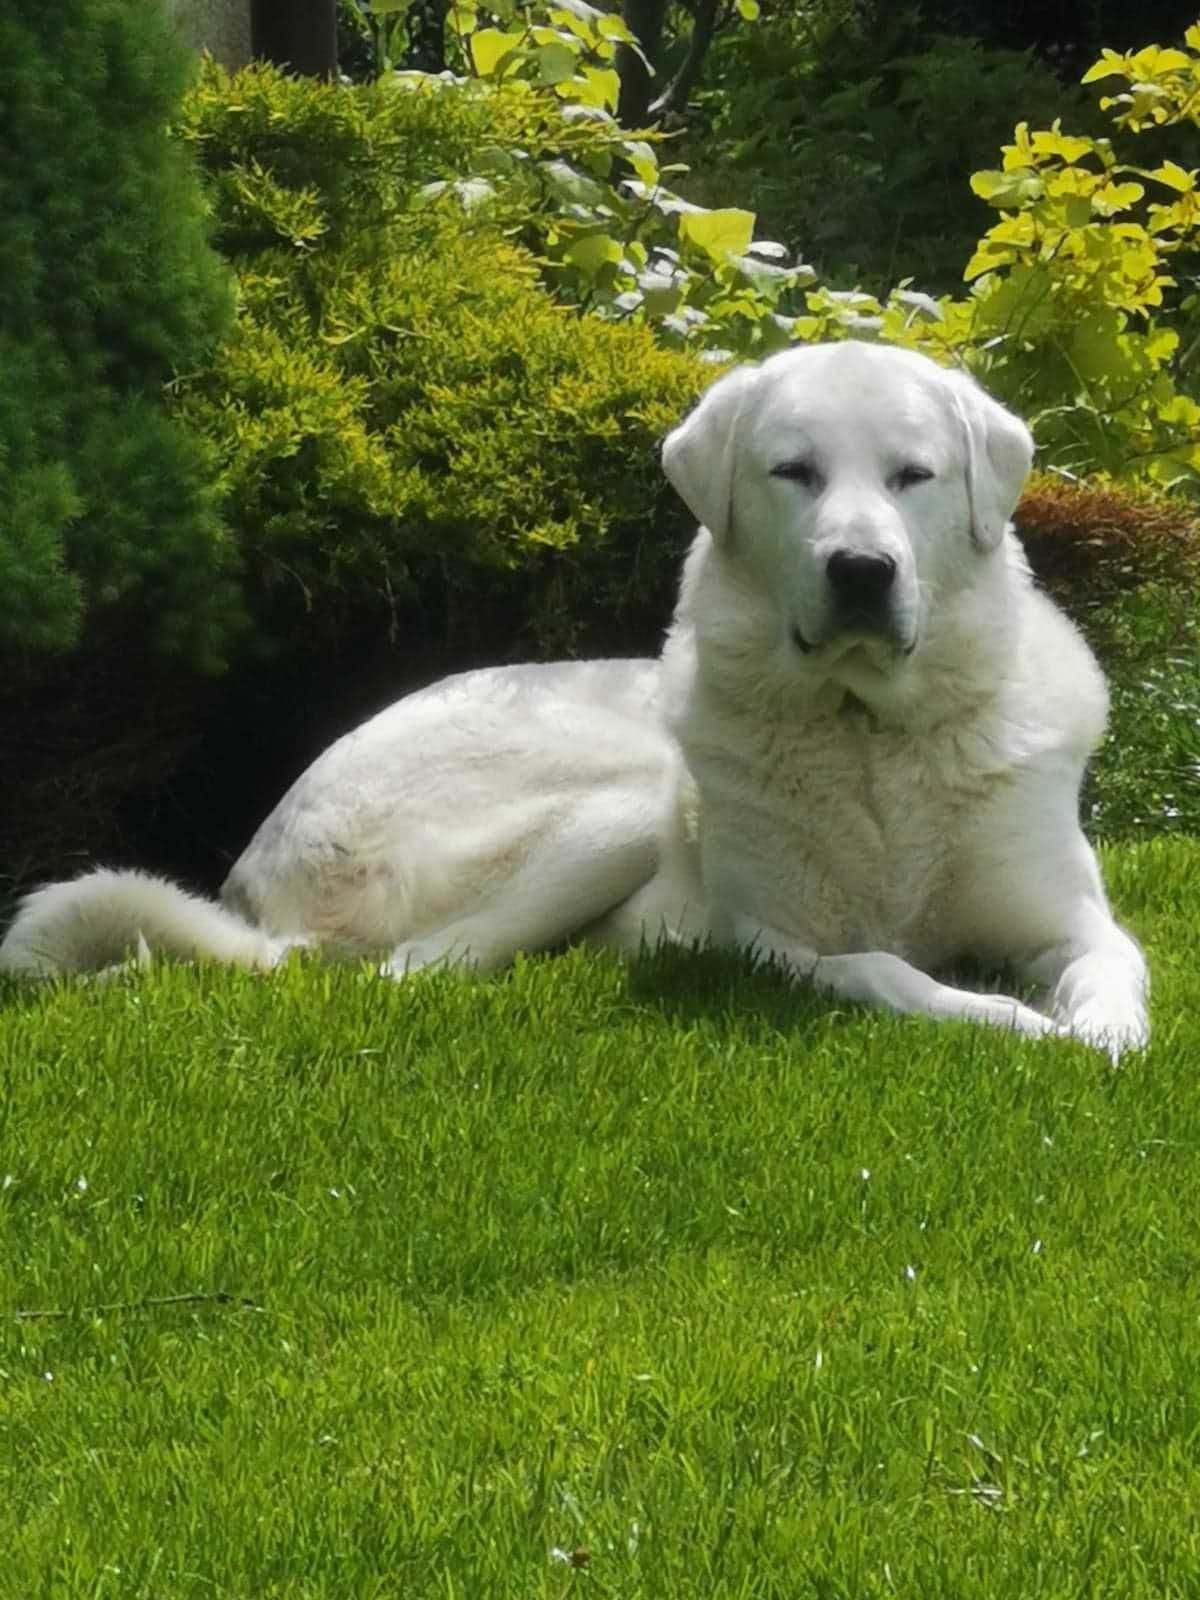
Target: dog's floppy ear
(698,456)
(998,453)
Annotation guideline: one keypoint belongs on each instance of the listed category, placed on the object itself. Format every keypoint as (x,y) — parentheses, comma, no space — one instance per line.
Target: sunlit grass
(647,1281)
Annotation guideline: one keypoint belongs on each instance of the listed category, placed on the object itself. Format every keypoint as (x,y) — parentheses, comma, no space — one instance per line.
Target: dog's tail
(103,918)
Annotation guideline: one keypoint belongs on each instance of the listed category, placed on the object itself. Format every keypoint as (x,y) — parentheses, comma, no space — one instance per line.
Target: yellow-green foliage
(401,397)
(299,159)
(1079,290)
(1073,299)
(1076,279)
(589,196)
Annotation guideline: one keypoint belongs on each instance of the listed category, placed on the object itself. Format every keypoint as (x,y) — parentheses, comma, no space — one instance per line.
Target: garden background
(650,1278)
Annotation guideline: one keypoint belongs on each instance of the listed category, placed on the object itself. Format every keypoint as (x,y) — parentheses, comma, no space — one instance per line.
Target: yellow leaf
(1153,62)
(1110,64)
(1015,188)
(643,160)
(592,251)
(489,46)
(1175,177)
(597,86)
(719,234)
(1115,197)
(612,27)
(1020,152)
(1161,345)
(1069,146)
(987,258)
(1012,230)
(580,26)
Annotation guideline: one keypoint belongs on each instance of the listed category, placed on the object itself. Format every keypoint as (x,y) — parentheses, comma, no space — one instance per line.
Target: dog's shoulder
(1053,681)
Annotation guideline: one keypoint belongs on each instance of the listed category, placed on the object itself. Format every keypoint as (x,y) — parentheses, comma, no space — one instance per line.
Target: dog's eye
(801,472)
(907,476)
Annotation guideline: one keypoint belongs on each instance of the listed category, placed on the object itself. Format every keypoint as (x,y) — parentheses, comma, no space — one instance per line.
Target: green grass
(1144,776)
(742,1294)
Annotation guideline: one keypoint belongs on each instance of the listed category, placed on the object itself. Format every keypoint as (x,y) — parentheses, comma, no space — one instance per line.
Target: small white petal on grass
(987,1494)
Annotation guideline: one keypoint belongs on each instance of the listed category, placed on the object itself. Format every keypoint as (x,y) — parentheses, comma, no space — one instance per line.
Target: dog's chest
(854,832)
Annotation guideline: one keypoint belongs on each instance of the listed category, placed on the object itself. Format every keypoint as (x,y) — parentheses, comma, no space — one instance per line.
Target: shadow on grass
(688,986)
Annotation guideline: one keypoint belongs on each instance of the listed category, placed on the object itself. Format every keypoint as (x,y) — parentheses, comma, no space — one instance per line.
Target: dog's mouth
(854,632)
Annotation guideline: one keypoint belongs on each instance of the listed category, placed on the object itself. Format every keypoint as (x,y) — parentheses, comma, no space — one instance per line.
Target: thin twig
(674,97)
(218,1297)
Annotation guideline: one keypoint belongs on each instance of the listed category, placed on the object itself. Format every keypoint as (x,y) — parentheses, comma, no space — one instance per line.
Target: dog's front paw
(1102,1026)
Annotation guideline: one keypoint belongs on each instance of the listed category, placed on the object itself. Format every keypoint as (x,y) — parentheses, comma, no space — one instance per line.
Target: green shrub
(1091,542)
(857,137)
(402,410)
(107,288)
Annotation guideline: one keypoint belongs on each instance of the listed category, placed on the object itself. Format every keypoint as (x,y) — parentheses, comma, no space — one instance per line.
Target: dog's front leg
(1037,905)
(877,978)
(1098,982)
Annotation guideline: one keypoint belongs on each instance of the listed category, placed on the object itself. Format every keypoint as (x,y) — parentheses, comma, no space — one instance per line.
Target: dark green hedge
(108,287)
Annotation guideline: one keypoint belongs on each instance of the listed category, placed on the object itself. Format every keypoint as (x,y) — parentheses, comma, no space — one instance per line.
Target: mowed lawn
(600,1279)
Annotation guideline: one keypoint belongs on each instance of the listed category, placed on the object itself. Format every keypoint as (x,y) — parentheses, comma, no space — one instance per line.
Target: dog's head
(854,483)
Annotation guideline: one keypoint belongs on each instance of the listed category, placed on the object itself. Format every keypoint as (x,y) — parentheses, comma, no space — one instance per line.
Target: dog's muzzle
(862,600)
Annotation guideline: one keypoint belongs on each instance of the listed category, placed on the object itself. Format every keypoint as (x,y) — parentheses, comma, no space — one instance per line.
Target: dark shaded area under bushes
(114,757)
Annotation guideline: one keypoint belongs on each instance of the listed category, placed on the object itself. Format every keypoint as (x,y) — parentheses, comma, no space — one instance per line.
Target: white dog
(860,753)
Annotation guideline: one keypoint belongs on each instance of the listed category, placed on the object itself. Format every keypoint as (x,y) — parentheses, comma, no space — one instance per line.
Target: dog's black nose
(860,582)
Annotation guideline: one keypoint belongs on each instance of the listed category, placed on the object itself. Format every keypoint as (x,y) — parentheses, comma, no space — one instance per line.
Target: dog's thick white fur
(860,753)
